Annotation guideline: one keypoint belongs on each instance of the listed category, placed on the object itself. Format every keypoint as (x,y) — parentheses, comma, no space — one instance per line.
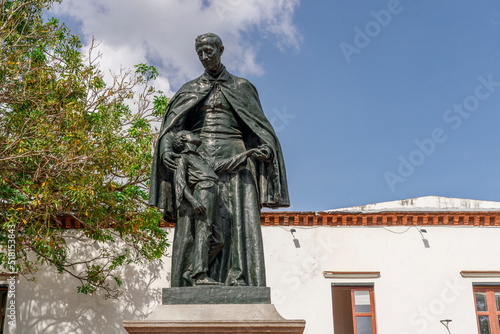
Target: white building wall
(418,286)
(52,304)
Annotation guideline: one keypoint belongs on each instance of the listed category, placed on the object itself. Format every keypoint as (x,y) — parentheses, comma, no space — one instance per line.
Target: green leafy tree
(72,146)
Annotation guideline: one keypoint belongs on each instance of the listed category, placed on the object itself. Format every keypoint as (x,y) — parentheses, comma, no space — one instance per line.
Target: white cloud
(162,33)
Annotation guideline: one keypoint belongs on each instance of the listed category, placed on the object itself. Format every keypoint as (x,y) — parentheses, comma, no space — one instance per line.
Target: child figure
(197,183)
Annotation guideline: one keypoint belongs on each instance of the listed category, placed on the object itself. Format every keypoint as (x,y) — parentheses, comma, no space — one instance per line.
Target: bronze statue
(193,172)
(225,112)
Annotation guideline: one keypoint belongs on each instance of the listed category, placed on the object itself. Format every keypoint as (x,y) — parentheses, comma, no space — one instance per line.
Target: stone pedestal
(213,294)
(215,310)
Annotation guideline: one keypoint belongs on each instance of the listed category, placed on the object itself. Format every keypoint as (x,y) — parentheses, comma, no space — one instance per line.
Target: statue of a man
(225,112)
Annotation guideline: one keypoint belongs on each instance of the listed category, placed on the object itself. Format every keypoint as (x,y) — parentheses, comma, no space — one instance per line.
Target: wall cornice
(388,218)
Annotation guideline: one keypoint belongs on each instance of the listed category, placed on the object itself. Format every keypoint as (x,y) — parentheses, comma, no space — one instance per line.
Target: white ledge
(351,274)
(477,273)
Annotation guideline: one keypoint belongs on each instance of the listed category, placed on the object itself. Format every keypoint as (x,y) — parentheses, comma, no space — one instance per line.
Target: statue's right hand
(169,159)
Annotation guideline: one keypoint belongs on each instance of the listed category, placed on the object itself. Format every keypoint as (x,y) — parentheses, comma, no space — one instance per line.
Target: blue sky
(413,111)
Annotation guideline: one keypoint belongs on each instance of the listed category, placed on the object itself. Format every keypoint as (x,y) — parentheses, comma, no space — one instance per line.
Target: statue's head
(209,49)
(183,138)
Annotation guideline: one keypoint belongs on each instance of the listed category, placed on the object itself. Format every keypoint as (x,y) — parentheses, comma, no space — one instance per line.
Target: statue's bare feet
(187,277)
(206,281)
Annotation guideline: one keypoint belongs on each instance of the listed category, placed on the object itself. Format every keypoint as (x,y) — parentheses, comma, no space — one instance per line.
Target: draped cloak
(270,178)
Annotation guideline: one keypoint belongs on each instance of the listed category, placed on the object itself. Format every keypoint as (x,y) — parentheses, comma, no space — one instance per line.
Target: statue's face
(209,55)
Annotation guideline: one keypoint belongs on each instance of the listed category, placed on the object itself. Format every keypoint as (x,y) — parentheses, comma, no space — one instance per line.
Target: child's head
(180,140)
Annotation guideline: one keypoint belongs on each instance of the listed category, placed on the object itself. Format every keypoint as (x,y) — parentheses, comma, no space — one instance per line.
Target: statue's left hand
(169,159)
(263,153)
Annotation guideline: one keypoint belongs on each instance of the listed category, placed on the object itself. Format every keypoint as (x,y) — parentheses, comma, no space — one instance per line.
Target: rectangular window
(487,300)
(3,304)
(353,310)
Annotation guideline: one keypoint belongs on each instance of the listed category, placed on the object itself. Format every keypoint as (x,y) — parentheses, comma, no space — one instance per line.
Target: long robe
(269,178)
